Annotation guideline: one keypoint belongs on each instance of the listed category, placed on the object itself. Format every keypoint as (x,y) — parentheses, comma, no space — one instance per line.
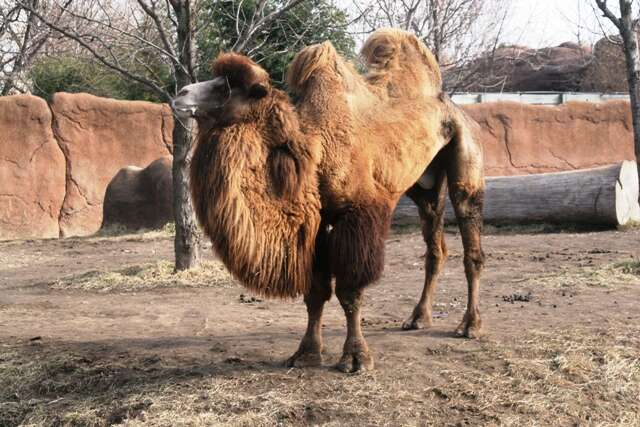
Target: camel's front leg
(309,352)
(355,354)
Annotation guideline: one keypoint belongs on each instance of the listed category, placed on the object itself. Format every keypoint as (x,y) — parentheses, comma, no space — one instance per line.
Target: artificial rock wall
(56,160)
(520,139)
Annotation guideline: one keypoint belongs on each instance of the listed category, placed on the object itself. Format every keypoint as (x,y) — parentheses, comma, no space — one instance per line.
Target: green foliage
(70,74)
(276,44)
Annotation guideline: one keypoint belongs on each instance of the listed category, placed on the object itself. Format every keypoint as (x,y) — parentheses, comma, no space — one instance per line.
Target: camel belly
(427,181)
(409,168)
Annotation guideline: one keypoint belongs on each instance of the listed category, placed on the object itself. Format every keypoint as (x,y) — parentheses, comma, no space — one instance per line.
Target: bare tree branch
(151,11)
(249,33)
(112,64)
(602,4)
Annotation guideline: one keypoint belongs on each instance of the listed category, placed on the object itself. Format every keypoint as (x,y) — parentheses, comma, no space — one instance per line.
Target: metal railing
(537,98)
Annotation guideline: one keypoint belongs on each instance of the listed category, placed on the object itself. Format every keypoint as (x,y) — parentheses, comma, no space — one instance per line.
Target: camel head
(238,85)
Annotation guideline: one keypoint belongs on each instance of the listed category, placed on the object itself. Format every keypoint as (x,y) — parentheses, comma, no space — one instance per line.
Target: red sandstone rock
(140,198)
(607,71)
(522,69)
(100,136)
(521,139)
(32,169)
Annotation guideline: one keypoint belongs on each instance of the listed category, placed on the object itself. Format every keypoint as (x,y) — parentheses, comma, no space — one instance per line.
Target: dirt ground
(97,331)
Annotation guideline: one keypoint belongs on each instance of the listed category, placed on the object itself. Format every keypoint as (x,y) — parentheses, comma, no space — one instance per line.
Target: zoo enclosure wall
(56,160)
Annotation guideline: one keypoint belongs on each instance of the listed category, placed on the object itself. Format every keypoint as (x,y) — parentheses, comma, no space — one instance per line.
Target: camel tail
(307,62)
(466,147)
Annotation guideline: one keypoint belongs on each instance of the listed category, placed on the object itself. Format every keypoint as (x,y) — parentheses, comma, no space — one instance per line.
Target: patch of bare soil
(98,331)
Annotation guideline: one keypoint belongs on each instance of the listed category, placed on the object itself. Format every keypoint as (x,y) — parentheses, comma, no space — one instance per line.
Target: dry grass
(117,233)
(412,225)
(629,267)
(622,273)
(572,378)
(569,377)
(147,277)
(631,225)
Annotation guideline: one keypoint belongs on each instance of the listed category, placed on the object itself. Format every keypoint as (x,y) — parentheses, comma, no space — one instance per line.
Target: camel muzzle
(199,97)
(183,111)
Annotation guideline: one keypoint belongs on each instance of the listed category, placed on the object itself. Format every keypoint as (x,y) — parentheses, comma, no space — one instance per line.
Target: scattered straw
(575,376)
(146,277)
(605,276)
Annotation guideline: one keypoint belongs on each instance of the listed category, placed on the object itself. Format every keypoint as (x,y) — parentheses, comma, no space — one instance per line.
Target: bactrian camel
(293,196)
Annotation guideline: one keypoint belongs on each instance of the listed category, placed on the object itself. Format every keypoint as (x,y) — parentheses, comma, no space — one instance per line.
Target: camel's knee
(350,297)
(473,260)
(467,201)
(435,258)
(319,292)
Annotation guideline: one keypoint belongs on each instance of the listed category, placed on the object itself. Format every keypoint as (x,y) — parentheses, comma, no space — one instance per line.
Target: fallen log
(601,196)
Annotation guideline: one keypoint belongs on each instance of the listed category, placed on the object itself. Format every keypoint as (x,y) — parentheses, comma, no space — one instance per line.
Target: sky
(539,23)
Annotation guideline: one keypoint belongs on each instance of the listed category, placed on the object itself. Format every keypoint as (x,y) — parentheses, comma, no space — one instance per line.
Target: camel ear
(259,90)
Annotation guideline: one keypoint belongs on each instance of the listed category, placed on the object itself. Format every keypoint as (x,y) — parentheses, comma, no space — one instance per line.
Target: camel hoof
(471,330)
(304,359)
(355,363)
(416,322)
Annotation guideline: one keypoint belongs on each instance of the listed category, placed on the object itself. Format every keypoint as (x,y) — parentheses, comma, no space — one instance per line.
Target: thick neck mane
(255,194)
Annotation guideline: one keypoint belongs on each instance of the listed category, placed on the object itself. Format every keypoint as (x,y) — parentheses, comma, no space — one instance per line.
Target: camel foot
(304,359)
(470,327)
(356,360)
(419,319)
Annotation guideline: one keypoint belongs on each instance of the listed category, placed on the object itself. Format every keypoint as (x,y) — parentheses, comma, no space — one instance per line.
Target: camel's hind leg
(466,190)
(430,202)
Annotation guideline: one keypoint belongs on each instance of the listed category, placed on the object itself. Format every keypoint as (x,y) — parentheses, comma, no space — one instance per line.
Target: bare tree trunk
(626,27)
(632,57)
(187,240)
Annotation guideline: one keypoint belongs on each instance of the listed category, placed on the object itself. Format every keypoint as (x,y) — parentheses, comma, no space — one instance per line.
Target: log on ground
(600,196)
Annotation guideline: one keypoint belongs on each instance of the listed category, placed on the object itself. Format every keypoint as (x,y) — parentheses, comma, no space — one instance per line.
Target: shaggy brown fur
(356,244)
(240,71)
(268,180)
(255,191)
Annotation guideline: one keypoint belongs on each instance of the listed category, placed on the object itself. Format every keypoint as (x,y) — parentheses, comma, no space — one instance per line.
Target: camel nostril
(183,92)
